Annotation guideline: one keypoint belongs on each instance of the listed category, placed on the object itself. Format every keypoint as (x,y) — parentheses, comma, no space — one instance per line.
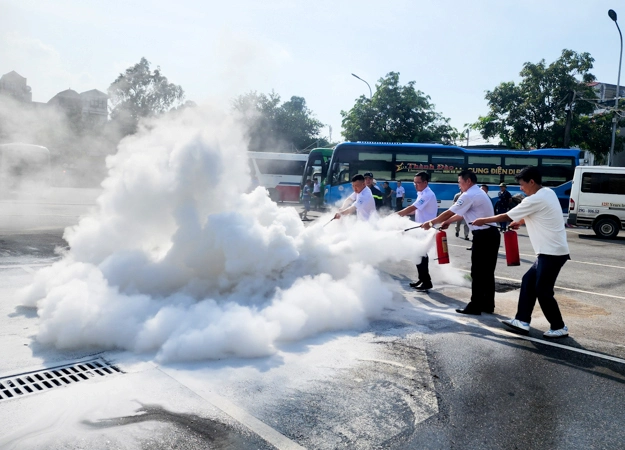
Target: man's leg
(424,273)
(477,273)
(490,263)
(527,295)
(466,229)
(547,272)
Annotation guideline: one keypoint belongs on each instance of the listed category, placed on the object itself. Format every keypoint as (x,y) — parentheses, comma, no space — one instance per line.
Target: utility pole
(569,118)
(330,129)
(467,137)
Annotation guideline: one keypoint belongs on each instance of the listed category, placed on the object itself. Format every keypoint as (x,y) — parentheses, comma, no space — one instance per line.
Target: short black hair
(529,173)
(424,176)
(468,174)
(484,186)
(358,177)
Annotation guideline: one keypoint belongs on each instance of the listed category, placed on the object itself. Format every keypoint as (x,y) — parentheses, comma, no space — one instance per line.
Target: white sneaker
(552,334)
(517,325)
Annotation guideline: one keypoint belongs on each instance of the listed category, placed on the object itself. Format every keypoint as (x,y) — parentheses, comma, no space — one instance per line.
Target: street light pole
(370,93)
(612,15)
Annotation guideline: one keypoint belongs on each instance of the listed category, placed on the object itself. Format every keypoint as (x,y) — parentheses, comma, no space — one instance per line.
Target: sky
(454,50)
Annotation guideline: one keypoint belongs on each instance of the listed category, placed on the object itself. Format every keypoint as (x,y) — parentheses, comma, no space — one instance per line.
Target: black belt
(485,229)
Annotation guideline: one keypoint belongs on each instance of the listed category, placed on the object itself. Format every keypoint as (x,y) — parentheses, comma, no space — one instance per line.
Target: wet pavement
(421,376)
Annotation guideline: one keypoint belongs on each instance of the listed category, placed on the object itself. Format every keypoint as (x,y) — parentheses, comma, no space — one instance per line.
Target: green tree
(594,133)
(549,99)
(272,126)
(396,113)
(139,93)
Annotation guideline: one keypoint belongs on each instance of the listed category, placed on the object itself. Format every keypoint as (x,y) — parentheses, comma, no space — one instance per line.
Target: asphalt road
(420,377)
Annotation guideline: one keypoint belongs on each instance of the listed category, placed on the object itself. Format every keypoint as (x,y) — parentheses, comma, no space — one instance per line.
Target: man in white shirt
(425,208)
(474,203)
(541,213)
(400,193)
(360,201)
(316,193)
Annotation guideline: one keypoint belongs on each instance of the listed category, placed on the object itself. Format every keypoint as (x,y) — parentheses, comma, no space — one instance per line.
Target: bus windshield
(401,162)
(280,173)
(317,165)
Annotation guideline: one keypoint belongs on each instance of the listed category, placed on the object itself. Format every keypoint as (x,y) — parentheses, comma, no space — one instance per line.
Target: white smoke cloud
(179,261)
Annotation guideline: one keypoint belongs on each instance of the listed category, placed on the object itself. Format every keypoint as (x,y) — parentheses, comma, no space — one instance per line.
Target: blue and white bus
(401,162)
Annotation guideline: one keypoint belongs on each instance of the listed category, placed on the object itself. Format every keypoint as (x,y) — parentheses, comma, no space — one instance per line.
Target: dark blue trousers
(538,283)
(423,270)
(483,263)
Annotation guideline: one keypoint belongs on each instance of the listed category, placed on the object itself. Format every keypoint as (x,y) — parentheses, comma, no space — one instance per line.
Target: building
(94,106)
(14,85)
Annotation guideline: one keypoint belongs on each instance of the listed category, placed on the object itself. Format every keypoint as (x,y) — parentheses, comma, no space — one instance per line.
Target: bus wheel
(606,228)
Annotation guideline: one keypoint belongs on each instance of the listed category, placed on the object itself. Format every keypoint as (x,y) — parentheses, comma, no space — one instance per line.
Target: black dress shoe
(468,311)
(424,287)
(416,284)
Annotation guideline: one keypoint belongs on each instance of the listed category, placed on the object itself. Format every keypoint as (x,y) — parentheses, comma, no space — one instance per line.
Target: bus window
(280,167)
(521,161)
(488,179)
(482,164)
(380,164)
(417,158)
(447,159)
(407,165)
(443,177)
(482,160)
(557,162)
(341,174)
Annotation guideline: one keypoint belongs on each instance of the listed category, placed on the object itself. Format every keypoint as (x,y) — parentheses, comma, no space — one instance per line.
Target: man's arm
(452,219)
(406,211)
(442,217)
(343,212)
(498,218)
(348,201)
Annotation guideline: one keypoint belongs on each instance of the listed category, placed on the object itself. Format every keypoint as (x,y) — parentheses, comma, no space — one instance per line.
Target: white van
(598,199)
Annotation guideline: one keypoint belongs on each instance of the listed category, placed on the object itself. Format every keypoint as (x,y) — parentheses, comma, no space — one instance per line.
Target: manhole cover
(15,386)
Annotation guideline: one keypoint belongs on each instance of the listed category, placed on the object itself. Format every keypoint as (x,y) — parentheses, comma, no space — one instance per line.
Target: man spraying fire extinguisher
(474,203)
(425,208)
(541,213)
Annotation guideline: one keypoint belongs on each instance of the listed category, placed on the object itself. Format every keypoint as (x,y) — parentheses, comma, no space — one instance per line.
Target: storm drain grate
(15,386)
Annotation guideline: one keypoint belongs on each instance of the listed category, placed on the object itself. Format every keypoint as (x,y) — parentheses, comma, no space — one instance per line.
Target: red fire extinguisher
(511,243)
(441,247)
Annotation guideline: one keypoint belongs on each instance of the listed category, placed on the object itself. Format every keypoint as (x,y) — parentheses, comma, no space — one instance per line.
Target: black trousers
(538,282)
(483,263)
(399,203)
(423,271)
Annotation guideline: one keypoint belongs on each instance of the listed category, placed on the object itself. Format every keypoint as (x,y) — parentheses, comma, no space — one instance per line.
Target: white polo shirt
(400,192)
(364,203)
(427,207)
(474,204)
(543,218)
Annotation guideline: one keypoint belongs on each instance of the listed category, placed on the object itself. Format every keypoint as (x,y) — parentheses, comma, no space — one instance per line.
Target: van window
(603,183)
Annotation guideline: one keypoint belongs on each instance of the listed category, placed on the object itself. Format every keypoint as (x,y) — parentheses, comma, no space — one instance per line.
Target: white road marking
(571,261)
(272,436)
(558,287)
(391,363)
(507,334)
